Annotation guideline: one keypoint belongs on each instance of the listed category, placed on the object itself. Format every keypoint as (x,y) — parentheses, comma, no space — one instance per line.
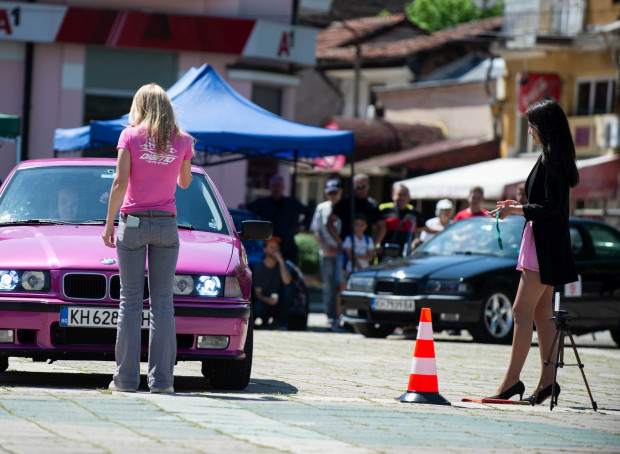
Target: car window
(475,236)
(197,206)
(576,240)
(605,240)
(57,193)
(79,194)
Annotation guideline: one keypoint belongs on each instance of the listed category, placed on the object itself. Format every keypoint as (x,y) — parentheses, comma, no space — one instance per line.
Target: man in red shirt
(475,199)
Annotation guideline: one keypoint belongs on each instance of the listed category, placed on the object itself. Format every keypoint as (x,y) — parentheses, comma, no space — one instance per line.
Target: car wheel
(232,374)
(496,321)
(615,335)
(373,330)
(4,364)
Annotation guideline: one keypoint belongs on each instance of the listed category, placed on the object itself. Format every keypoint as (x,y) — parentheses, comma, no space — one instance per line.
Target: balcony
(528,22)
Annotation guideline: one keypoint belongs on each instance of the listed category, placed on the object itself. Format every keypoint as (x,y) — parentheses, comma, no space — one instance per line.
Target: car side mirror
(256,230)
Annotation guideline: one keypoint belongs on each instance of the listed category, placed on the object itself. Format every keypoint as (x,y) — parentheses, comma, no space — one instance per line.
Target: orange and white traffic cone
(423,387)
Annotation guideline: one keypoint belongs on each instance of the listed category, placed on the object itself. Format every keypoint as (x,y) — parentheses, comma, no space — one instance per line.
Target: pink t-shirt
(153,176)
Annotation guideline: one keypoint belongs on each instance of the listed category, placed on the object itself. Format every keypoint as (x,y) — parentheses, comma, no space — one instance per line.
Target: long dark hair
(548,119)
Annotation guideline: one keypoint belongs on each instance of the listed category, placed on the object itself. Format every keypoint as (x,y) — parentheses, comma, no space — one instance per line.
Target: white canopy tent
(493,176)
(499,178)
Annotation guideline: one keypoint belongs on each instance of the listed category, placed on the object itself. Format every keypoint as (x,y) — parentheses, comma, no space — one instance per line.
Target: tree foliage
(433,15)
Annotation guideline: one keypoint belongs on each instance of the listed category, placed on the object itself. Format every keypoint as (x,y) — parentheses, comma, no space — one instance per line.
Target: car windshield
(79,195)
(475,236)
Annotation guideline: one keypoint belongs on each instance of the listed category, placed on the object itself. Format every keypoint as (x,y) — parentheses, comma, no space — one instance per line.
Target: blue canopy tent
(223,121)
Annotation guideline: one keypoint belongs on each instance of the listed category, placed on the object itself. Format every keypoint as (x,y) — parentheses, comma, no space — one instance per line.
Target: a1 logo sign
(5,21)
(573,289)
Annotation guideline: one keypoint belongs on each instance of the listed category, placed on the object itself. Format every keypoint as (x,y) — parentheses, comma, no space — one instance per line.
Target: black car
(468,282)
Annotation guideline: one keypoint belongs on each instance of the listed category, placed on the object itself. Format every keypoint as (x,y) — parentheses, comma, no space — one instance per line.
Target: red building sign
(536,86)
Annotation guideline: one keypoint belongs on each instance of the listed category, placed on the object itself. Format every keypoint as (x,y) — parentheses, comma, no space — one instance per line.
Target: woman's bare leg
(528,296)
(545,329)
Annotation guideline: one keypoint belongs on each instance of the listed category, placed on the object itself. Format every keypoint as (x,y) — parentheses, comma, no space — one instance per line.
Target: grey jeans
(158,239)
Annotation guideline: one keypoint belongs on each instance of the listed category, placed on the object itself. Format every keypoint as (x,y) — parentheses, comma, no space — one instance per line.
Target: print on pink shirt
(153,157)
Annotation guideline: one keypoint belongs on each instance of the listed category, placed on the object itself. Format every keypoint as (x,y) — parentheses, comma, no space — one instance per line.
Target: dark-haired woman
(545,257)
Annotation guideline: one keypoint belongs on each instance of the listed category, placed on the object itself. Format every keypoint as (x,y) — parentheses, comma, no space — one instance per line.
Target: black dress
(548,207)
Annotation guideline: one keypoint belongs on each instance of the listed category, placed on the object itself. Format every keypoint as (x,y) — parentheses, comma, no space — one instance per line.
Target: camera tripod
(562,326)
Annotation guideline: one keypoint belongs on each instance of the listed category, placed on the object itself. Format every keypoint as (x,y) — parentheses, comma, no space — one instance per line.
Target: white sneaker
(168,390)
(113,387)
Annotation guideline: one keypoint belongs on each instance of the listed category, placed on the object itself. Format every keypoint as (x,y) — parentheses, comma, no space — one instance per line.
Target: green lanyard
(499,239)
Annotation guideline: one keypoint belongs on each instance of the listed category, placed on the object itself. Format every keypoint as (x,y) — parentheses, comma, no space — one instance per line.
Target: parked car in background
(468,282)
(60,287)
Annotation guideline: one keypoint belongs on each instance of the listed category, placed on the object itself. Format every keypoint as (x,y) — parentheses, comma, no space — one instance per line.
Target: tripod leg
(559,362)
(581,366)
(546,363)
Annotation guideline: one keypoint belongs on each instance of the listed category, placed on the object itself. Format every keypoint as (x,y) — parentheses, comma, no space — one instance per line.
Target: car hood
(81,247)
(453,266)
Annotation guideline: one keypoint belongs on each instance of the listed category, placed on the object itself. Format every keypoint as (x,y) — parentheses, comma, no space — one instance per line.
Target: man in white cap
(443,213)
(331,256)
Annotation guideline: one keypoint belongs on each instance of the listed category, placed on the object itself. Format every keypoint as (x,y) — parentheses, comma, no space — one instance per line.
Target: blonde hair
(152,109)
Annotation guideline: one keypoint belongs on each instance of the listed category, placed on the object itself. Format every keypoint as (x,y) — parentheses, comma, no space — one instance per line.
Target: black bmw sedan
(468,282)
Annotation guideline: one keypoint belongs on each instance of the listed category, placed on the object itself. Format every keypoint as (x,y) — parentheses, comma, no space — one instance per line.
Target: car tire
(373,330)
(229,374)
(4,364)
(496,322)
(615,335)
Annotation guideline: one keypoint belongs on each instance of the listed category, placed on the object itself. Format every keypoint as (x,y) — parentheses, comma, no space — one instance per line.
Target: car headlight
(446,286)
(204,285)
(19,280)
(183,284)
(361,284)
(208,285)
(33,280)
(8,280)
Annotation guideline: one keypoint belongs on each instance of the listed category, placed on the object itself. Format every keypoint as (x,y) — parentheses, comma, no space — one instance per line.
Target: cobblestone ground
(315,391)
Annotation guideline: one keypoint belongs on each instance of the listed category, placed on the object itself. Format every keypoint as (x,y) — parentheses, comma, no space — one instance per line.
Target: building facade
(569,50)
(64,63)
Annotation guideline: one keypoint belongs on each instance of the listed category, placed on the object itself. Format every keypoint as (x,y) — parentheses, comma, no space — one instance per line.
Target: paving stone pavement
(315,392)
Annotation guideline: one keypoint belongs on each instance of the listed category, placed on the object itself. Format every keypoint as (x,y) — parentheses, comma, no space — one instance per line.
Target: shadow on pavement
(85,381)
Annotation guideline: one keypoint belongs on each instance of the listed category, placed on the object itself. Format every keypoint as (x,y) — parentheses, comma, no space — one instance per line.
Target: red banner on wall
(536,86)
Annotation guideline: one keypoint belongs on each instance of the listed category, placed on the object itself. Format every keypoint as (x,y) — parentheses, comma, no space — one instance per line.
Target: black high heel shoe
(518,388)
(544,394)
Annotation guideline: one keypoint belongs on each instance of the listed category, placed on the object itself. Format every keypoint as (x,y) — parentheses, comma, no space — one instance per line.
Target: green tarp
(9,126)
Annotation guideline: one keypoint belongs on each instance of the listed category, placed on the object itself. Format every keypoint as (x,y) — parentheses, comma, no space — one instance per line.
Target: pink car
(59,284)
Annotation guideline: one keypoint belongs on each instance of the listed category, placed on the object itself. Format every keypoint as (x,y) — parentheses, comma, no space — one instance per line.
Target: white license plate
(94,317)
(395,305)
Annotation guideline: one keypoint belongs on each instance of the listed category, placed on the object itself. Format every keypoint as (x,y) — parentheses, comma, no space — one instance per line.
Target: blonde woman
(154,154)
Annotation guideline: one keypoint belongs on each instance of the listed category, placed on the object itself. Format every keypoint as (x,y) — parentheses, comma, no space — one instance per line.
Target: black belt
(169,215)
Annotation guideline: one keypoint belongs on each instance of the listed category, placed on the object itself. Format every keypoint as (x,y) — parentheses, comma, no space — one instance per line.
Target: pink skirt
(527,254)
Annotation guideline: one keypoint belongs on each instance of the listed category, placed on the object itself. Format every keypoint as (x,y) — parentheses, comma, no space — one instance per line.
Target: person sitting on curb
(273,291)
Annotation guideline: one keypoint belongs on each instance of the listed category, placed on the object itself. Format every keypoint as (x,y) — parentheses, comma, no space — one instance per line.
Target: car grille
(103,337)
(85,286)
(91,286)
(397,287)
(115,287)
